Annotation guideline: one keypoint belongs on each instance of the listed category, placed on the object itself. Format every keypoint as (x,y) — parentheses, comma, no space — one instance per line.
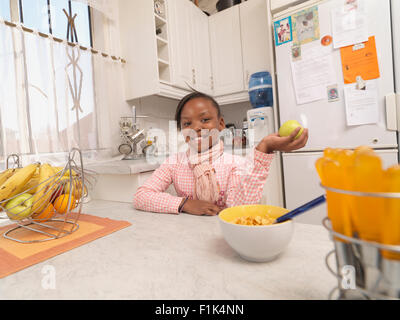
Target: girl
(206,179)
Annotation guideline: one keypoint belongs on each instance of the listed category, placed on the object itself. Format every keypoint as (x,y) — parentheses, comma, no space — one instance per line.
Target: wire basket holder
(369,273)
(53,223)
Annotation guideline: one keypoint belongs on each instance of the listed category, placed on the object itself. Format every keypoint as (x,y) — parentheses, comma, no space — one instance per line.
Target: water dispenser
(261,117)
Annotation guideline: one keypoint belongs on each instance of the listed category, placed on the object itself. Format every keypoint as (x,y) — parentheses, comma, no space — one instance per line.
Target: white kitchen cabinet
(190,46)
(145,44)
(201,53)
(181,49)
(226,51)
(256,38)
(181,42)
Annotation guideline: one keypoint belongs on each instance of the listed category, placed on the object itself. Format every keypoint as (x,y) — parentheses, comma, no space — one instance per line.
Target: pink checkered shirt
(241,181)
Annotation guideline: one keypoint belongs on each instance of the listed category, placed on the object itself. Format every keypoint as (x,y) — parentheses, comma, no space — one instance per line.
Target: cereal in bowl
(254,221)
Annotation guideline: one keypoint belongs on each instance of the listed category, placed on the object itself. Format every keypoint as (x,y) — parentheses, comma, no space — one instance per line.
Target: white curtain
(54,96)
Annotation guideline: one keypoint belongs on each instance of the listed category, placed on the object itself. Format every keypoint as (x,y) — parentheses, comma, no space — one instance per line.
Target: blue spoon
(301,209)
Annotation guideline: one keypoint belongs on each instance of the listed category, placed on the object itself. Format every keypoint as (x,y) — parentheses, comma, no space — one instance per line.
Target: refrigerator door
(301,181)
(327,120)
(395,7)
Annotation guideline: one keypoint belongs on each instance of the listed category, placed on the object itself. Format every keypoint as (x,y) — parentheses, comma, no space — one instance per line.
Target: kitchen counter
(125,166)
(118,166)
(164,256)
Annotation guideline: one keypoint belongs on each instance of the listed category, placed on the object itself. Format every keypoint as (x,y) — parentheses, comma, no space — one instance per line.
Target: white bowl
(256,243)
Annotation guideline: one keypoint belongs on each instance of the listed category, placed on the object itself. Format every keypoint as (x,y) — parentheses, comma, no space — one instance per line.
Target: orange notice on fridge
(360,60)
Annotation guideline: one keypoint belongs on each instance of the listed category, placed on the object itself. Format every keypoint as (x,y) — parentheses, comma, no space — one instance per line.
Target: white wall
(235,113)
(161,110)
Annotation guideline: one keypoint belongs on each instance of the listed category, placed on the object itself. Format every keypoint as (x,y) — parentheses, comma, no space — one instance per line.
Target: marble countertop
(125,166)
(118,166)
(162,256)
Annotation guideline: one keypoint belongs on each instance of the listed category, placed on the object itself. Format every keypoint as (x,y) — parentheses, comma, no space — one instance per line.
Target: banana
(6,174)
(14,184)
(66,173)
(31,186)
(17,181)
(45,188)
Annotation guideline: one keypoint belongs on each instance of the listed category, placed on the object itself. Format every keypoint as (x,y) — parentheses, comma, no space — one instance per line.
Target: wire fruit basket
(46,201)
(365,270)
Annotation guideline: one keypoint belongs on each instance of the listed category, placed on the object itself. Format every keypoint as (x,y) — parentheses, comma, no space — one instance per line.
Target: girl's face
(200,124)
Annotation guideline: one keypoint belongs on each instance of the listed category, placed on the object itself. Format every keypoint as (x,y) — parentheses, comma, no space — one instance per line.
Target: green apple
(20,207)
(287,128)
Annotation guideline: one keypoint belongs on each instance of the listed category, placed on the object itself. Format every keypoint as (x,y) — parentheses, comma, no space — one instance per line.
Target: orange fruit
(45,214)
(61,203)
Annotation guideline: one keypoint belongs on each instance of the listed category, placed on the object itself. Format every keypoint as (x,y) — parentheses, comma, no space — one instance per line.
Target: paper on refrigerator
(361,105)
(349,25)
(313,73)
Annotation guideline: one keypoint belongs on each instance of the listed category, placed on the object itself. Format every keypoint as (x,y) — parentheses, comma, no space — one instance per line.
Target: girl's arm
(246,181)
(151,196)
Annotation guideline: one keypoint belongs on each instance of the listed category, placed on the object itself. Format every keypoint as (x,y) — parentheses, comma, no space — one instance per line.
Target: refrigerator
(326,120)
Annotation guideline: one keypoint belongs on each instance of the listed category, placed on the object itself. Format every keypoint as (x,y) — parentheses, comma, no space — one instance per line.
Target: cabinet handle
(212,82)
(194,76)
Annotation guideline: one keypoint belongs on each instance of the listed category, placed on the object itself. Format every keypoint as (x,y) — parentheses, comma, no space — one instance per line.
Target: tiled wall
(161,110)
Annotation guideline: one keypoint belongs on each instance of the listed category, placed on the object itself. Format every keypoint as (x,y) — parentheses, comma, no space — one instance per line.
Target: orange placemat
(15,256)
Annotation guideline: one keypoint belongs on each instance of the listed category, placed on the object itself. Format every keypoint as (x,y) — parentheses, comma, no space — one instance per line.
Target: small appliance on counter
(260,119)
(131,136)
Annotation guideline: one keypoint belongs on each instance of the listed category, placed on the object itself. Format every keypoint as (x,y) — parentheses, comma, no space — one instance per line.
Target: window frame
(16,15)
(21,18)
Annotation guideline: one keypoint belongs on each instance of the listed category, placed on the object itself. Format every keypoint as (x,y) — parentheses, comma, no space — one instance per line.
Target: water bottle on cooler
(260,90)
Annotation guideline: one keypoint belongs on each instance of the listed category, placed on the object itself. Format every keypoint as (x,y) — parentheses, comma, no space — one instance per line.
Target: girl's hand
(274,142)
(200,207)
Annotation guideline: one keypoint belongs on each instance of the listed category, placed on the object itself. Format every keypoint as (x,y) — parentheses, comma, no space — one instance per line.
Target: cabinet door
(201,56)
(256,37)
(226,51)
(181,40)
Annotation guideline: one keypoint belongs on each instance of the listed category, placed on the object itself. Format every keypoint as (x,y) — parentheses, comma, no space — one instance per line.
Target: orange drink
(390,232)
(368,213)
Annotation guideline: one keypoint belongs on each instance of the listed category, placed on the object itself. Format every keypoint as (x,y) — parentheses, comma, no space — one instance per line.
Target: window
(5,10)
(48,16)
(82,22)
(59,22)
(52,98)
(34,15)
(42,115)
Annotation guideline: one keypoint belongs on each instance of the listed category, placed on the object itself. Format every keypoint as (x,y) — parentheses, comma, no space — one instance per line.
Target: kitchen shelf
(163,62)
(162,49)
(163,71)
(166,82)
(160,21)
(161,42)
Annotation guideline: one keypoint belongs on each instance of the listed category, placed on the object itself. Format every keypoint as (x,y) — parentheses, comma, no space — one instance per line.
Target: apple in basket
(20,207)
(287,128)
